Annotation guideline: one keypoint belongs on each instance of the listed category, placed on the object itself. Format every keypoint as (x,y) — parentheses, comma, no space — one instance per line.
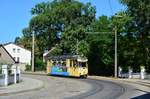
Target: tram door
(75,68)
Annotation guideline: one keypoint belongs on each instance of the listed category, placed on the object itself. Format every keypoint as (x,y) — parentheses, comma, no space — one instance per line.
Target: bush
(28,67)
(39,65)
(125,69)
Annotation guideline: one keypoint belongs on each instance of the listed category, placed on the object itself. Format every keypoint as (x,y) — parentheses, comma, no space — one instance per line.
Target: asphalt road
(73,88)
(102,90)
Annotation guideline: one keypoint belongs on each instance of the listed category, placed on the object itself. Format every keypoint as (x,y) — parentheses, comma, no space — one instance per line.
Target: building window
(14,50)
(18,59)
(18,50)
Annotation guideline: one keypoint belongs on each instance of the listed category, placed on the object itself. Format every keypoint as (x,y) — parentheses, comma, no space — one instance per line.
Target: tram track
(99,88)
(96,87)
(75,88)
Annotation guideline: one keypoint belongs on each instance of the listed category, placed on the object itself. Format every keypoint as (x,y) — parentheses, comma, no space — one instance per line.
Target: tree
(139,10)
(68,18)
(61,16)
(102,24)
(100,47)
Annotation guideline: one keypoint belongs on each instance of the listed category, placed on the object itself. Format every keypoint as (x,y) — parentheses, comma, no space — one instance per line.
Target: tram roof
(61,57)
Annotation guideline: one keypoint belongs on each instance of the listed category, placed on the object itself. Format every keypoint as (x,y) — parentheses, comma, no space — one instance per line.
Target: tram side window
(59,64)
(54,63)
(75,64)
(64,68)
(64,64)
(71,63)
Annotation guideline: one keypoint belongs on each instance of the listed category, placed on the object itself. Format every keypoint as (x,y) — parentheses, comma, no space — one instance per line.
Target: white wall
(18,52)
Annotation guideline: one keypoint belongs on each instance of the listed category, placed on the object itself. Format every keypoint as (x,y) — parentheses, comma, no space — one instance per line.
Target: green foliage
(57,16)
(28,67)
(83,48)
(139,10)
(125,69)
(105,56)
(136,32)
(71,37)
(102,24)
(98,65)
(81,33)
(100,47)
(55,51)
(39,65)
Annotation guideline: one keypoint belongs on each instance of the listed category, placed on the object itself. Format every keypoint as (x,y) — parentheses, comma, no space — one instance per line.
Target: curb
(119,79)
(35,73)
(125,81)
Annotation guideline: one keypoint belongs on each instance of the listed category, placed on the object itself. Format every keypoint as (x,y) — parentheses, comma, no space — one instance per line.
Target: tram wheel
(83,76)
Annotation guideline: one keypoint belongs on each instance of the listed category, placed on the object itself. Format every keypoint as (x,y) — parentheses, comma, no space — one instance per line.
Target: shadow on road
(61,76)
(144,96)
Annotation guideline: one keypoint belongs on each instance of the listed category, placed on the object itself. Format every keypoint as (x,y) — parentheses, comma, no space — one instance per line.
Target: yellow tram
(68,66)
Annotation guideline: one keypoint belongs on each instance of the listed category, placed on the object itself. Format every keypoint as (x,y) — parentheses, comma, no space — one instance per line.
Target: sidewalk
(143,85)
(35,73)
(27,84)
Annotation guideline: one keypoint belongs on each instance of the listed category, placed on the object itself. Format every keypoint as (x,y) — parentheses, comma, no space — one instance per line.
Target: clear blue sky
(15,15)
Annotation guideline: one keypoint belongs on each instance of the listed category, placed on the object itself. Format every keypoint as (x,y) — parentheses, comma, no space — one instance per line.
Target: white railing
(13,77)
(131,74)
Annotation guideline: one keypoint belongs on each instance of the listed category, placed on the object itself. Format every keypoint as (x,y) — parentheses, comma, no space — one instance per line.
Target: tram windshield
(82,64)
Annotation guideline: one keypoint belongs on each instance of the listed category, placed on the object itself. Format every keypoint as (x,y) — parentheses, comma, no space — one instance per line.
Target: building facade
(20,54)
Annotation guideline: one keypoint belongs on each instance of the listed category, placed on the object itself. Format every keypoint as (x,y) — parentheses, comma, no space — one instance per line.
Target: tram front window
(82,64)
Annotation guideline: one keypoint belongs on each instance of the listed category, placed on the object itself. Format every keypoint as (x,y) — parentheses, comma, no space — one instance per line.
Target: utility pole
(33,38)
(77,49)
(116,56)
(115,72)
